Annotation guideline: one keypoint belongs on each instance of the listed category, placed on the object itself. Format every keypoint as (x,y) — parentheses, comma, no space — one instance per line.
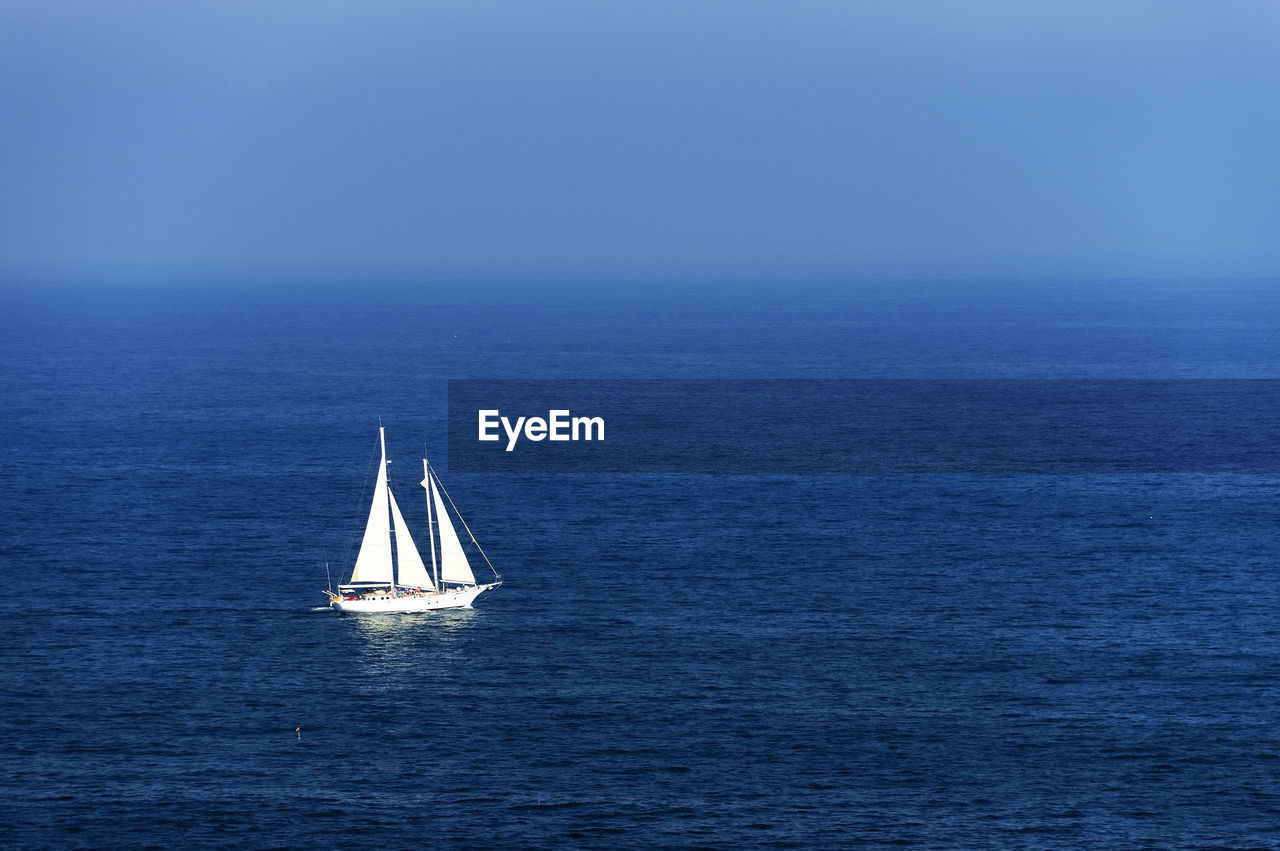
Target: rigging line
(440,485)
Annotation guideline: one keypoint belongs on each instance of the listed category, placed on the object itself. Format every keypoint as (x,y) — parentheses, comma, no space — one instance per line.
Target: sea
(968,659)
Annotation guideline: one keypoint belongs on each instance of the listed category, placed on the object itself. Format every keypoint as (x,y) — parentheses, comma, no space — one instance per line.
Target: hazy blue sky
(968,136)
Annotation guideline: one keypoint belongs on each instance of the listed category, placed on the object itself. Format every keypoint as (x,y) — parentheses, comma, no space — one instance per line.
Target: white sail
(454,566)
(412,573)
(373,564)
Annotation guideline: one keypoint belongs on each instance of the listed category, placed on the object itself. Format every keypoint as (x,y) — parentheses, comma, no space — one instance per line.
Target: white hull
(430,601)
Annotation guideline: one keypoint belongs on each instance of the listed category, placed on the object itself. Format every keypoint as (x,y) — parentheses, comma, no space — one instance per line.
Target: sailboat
(389,578)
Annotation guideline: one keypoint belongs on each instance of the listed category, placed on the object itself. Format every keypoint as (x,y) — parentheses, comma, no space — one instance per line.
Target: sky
(970,137)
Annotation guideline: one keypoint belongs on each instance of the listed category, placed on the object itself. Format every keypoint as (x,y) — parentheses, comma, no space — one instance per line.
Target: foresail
(373,564)
(454,566)
(412,572)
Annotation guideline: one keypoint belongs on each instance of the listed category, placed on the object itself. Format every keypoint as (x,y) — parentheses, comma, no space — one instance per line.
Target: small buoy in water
(298,730)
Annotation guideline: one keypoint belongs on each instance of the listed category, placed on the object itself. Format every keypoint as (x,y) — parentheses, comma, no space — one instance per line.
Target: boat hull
(372,604)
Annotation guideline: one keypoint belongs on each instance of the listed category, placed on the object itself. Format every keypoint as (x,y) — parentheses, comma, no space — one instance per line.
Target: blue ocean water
(959,660)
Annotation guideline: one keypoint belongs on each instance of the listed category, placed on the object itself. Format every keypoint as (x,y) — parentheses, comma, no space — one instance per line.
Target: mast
(431,532)
(382,440)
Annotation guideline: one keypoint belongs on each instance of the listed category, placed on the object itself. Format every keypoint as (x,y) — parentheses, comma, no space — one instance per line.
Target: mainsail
(373,564)
(454,566)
